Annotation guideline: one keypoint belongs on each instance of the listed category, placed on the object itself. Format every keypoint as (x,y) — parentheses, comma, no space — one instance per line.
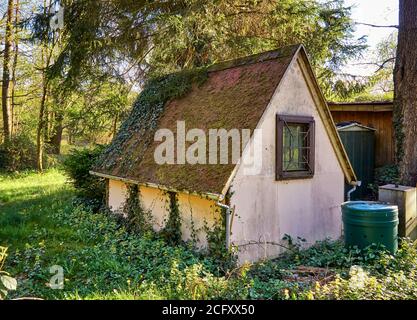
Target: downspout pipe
(355,184)
(228,210)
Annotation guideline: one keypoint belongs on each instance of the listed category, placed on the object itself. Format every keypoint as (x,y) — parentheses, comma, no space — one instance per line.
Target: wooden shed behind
(377,115)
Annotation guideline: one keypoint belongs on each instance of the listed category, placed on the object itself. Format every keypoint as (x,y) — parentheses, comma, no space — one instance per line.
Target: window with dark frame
(294,147)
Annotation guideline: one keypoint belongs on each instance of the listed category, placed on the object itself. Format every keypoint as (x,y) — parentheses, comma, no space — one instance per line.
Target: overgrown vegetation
(7,283)
(382,277)
(77,166)
(216,240)
(81,79)
(136,217)
(172,229)
(17,154)
(103,260)
(388,174)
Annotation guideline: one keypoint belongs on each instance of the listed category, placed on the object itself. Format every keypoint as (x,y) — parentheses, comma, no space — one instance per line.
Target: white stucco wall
(196,212)
(267,209)
(117,195)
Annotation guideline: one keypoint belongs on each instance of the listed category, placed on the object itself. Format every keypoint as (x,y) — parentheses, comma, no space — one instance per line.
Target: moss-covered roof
(232,94)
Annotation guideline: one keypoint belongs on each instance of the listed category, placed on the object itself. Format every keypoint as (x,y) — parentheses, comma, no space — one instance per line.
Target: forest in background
(72,82)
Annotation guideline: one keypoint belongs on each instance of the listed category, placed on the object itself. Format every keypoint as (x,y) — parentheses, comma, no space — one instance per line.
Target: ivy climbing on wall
(172,229)
(137,218)
(216,241)
(398,133)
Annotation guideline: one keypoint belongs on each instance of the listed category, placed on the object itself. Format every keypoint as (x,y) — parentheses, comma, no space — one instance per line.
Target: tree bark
(14,67)
(405,93)
(46,55)
(56,136)
(5,102)
(41,128)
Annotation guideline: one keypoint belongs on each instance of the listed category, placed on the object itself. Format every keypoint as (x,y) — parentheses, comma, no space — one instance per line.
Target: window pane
(295,146)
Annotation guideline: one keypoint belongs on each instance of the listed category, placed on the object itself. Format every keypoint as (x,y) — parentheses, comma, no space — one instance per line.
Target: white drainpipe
(355,185)
(228,209)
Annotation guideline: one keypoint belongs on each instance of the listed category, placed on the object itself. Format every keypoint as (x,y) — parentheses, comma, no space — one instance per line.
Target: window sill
(295,175)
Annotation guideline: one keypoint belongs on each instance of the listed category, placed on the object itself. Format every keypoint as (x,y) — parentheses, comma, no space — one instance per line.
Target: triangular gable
(326,117)
(301,57)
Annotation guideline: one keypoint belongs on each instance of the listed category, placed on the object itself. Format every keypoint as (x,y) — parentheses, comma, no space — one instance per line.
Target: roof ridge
(281,52)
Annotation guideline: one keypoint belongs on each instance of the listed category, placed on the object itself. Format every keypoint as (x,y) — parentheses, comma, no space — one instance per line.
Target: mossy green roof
(232,94)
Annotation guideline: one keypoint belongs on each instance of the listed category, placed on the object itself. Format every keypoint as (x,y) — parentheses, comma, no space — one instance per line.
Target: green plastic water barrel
(367,222)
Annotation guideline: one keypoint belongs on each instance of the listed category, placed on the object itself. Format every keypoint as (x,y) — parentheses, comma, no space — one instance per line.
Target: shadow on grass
(12,195)
(22,216)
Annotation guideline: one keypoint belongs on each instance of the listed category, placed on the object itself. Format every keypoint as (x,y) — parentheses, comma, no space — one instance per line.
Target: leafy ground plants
(102,259)
(7,283)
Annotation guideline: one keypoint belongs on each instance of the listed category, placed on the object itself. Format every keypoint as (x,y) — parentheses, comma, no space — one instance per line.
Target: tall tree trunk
(42,119)
(48,126)
(40,129)
(405,93)
(56,137)
(6,73)
(14,67)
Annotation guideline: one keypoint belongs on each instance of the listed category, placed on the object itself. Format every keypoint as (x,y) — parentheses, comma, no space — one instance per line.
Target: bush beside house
(77,166)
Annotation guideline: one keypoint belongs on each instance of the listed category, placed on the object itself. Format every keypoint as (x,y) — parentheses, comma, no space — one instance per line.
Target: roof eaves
(209,195)
(361,106)
(351,125)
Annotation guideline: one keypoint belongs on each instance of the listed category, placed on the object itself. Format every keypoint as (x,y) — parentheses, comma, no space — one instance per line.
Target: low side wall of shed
(196,212)
(116,195)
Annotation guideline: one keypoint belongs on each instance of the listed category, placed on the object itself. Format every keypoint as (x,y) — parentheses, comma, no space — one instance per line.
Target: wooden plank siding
(377,115)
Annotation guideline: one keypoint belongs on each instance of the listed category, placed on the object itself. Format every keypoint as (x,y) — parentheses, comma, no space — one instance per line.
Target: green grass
(101,260)
(26,201)
(42,227)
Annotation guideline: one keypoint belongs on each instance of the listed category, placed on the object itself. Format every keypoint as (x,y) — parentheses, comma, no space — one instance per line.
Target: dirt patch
(309,275)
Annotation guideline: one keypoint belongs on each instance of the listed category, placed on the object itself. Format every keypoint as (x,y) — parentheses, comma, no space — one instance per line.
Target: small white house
(301,165)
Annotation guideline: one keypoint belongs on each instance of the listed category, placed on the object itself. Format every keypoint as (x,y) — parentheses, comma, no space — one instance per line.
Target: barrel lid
(373,206)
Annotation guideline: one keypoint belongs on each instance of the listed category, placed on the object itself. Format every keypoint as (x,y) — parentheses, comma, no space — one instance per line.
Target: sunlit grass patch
(26,203)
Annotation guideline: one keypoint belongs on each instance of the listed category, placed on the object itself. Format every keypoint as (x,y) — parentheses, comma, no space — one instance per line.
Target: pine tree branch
(377,26)
(379,65)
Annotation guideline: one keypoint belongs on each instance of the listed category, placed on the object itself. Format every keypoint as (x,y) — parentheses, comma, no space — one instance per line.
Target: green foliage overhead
(378,86)
(212,31)
(384,61)
(168,36)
